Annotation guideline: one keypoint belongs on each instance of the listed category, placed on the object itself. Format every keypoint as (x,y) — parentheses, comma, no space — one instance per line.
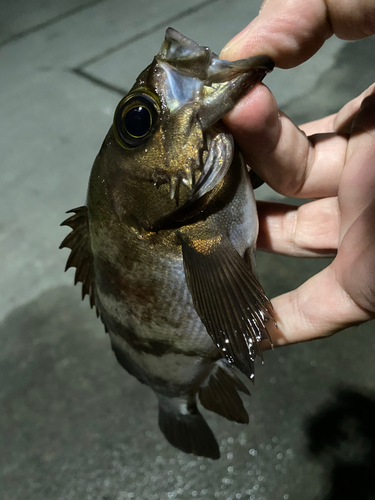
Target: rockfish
(165,245)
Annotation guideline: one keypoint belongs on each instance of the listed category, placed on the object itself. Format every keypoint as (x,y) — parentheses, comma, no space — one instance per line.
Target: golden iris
(135,119)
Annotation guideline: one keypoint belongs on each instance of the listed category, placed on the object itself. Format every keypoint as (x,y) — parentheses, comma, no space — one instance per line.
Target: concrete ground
(73,424)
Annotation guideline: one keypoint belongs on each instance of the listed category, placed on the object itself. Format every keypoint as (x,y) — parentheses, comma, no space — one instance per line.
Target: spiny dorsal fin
(228,299)
(219,393)
(81,257)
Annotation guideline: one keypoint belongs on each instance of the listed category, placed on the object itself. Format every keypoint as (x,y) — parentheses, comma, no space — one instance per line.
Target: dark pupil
(137,121)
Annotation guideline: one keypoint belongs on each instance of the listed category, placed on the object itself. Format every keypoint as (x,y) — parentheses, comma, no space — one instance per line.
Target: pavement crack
(50,22)
(98,81)
(148,31)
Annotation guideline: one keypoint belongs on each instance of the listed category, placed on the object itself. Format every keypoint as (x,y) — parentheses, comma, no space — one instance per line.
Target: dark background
(73,424)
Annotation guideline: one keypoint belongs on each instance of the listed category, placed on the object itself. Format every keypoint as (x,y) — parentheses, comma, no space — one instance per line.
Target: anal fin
(219,393)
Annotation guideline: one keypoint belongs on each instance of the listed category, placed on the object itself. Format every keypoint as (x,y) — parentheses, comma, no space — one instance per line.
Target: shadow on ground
(342,436)
(74,425)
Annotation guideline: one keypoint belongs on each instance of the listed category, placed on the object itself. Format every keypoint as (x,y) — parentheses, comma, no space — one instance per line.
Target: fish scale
(166,242)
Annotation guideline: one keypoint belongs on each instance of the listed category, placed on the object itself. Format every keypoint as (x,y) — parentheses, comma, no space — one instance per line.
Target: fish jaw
(196,90)
(194,73)
(188,151)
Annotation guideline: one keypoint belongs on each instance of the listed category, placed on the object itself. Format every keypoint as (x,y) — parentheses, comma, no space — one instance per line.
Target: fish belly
(154,329)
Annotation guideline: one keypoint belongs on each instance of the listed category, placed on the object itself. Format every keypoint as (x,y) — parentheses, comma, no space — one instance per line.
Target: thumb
(291,32)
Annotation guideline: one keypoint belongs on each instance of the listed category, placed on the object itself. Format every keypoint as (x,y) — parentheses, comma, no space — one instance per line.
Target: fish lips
(227,83)
(193,70)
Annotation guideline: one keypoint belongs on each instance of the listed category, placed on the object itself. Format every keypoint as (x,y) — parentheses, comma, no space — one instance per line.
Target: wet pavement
(73,424)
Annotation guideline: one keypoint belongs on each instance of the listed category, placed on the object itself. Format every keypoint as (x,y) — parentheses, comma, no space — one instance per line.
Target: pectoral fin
(228,299)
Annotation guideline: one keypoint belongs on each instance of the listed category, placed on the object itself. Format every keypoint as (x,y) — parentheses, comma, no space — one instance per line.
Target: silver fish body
(165,246)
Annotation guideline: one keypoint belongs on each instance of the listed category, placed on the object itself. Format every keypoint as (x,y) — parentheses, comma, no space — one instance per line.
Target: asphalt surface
(73,424)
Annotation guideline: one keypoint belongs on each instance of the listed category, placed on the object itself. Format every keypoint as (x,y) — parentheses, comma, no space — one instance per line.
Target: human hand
(331,160)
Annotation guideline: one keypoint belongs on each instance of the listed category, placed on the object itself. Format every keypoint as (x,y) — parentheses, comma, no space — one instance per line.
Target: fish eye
(135,119)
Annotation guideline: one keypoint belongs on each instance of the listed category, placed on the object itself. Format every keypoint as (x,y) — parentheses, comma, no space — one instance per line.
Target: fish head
(167,146)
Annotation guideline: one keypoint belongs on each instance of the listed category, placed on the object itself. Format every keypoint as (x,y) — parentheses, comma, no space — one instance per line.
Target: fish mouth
(194,75)
(193,72)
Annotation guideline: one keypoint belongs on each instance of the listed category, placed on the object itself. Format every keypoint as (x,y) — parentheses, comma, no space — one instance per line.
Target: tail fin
(185,428)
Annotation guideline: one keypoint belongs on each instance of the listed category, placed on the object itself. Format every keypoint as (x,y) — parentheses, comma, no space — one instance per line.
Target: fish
(165,245)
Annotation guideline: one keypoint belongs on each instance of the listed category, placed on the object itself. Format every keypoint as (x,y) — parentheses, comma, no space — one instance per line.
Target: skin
(331,159)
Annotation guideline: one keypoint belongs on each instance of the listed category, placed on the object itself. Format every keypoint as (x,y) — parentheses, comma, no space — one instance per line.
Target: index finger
(291,32)
(281,153)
